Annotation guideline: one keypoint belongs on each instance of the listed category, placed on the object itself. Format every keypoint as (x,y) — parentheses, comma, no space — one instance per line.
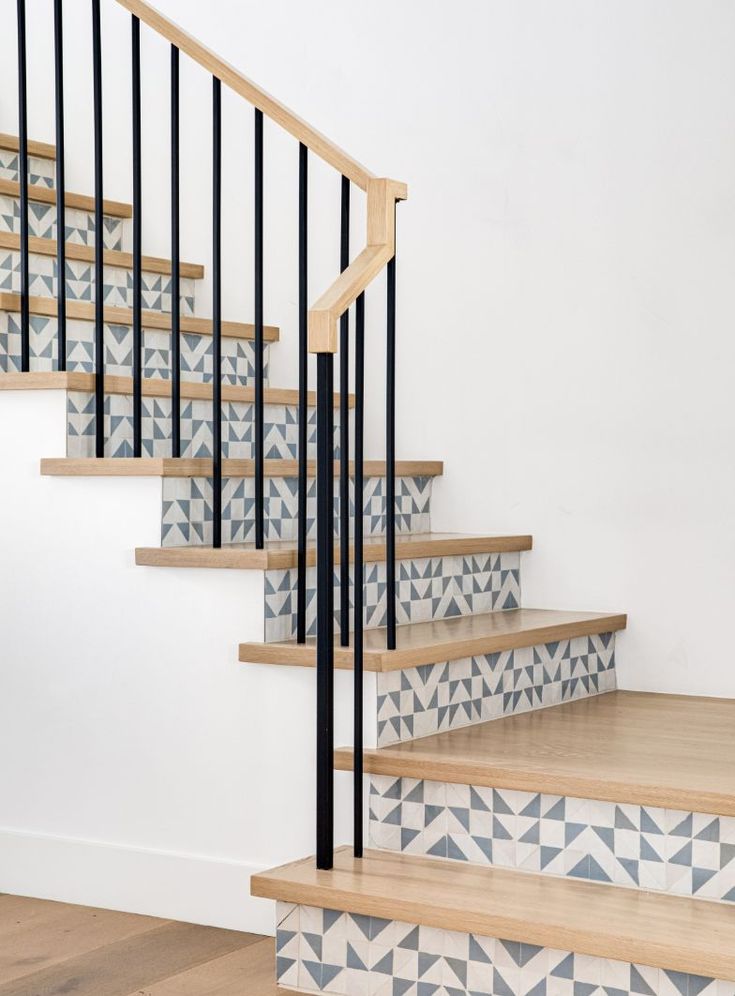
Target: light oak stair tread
(112,257)
(282,554)
(152,387)
(42,150)
(82,202)
(447,639)
(668,751)
(84,311)
(202,466)
(630,925)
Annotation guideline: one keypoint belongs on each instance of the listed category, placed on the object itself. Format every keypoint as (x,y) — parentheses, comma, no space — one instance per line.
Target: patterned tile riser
(40,171)
(329,951)
(688,854)
(280,429)
(187,508)
(80,283)
(433,698)
(80,227)
(427,588)
(238,355)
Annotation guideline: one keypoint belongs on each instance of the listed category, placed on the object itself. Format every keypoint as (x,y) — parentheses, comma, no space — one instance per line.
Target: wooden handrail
(382,194)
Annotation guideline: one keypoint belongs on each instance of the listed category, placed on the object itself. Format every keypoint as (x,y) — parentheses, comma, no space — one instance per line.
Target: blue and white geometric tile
(618,844)
(187,508)
(420,701)
(80,226)
(41,172)
(330,951)
(427,588)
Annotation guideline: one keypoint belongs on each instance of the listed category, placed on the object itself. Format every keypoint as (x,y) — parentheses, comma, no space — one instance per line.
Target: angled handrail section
(382,193)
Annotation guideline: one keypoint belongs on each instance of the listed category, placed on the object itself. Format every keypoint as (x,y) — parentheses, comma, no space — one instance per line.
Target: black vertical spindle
(217,313)
(60,185)
(359,581)
(99,264)
(259,414)
(344,429)
(303,389)
(390,460)
(175,261)
(325,611)
(137,251)
(25,310)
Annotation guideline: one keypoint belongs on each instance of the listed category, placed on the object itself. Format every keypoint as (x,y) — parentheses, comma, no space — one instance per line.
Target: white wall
(566,346)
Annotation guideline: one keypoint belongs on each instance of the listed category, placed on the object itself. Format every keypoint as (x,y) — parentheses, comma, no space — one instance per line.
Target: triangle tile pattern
(238,356)
(432,698)
(118,289)
(187,508)
(40,171)
(79,225)
(328,951)
(280,429)
(427,588)
(688,854)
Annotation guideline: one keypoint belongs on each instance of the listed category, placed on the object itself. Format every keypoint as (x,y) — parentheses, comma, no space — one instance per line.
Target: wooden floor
(50,949)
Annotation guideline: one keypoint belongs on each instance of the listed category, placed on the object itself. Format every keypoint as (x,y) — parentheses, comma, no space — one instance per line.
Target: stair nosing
(79,202)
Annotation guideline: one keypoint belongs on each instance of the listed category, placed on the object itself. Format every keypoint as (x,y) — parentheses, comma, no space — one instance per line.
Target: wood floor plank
(248,972)
(36,934)
(129,965)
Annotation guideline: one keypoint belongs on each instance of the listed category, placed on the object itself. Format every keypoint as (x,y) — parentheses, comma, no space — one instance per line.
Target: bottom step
(430,927)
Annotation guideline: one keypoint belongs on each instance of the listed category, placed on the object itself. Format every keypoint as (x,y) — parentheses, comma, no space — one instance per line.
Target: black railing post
(60,185)
(325,612)
(359,581)
(303,395)
(99,263)
(137,251)
(25,309)
(259,413)
(344,429)
(175,261)
(390,461)
(216,313)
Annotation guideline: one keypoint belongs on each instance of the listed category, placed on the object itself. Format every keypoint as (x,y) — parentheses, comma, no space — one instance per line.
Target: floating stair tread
(42,150)
(82,202)
(202,466)
(282,554)
(447,639)
(152,387)
(676,933)
(112,257)
(668,751)
(84,311)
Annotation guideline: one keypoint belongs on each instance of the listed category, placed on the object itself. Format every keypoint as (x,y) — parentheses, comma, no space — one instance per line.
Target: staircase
(533,829)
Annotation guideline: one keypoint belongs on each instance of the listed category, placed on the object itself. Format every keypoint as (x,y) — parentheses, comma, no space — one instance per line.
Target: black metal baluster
(60,185)
(325,611)
(303,389)
(137,251)
(99,264)
(359,581)
(344,429)
(390,461)
(175,261)
(25,309)
(217,313)
(259,414)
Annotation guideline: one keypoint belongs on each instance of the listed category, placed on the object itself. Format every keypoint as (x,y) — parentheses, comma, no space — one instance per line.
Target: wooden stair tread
(152,387)
(42,150)
(82,202)
(112,257)
(152,320)
(447,639)
(202,466)
(282,554)
(669,751)
(672,932)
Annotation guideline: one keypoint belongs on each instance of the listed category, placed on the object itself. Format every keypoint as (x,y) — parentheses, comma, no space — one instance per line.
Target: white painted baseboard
(187,887)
